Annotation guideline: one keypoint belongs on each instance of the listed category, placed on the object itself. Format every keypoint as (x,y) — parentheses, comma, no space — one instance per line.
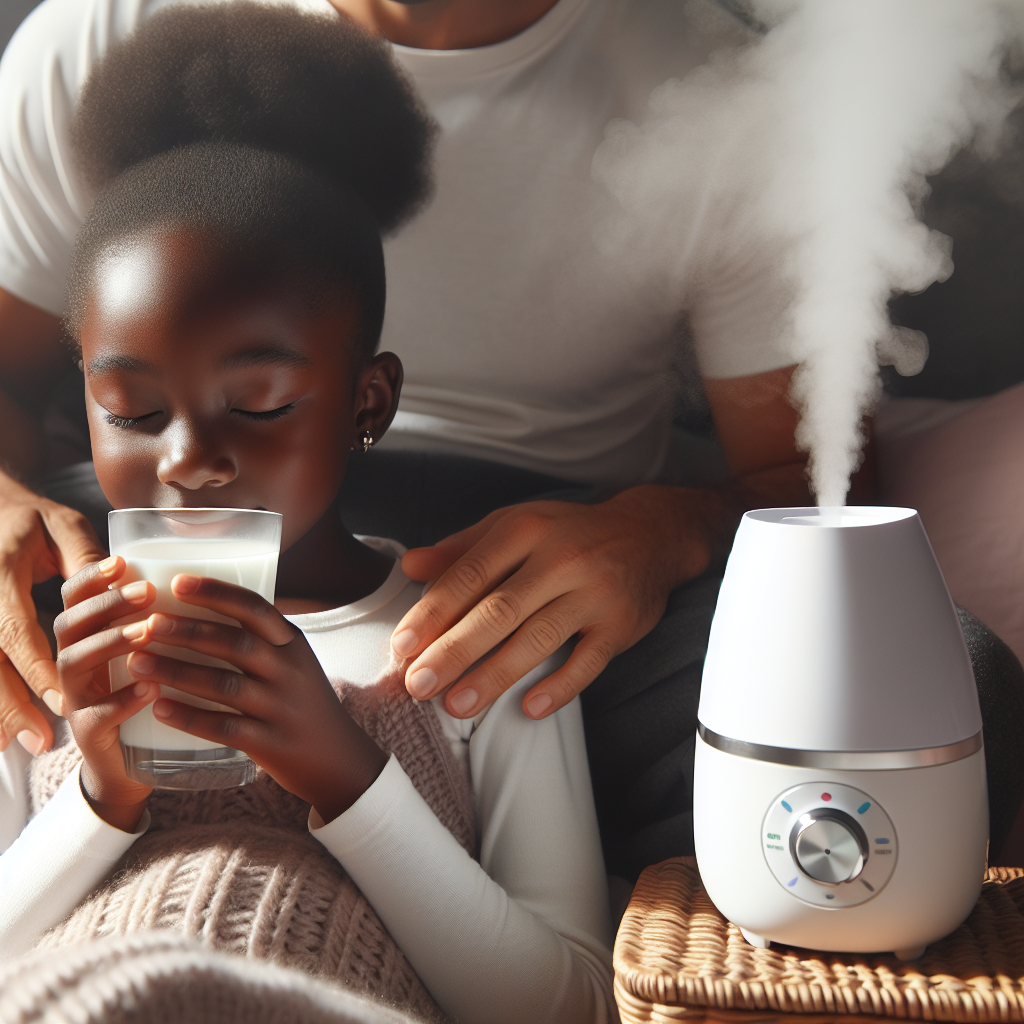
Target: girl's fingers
(96,612)
(220,685)
(217,726)
(77,664)
(255,614)
(92,579)
(238,647)
(534,641)
(97,724)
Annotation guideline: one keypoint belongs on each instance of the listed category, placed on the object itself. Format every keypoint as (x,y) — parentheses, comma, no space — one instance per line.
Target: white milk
(247,563)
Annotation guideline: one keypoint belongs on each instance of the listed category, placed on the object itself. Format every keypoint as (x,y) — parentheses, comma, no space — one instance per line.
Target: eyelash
(270,414)
(127,422)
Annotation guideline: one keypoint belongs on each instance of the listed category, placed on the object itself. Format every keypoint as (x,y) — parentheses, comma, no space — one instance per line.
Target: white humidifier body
(839,782)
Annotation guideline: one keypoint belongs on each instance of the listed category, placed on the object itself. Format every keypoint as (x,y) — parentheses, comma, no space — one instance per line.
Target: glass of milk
(239,546)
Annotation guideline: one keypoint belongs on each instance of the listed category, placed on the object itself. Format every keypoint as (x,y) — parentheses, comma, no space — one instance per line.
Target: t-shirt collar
(454,66)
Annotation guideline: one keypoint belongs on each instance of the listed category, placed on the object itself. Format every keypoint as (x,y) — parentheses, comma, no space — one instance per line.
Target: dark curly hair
(291,138)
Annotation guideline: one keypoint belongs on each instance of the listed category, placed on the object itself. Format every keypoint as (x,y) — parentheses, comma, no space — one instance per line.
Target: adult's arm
(523,934)
(38,537)
(534,575)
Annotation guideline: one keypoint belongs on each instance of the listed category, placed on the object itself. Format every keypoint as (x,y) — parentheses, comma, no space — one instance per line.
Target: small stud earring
(367,441)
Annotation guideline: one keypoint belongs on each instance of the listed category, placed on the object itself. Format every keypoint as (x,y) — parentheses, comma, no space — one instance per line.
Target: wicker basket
(677,958)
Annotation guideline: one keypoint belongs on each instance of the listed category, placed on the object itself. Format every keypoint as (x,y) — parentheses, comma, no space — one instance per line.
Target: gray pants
(641,712)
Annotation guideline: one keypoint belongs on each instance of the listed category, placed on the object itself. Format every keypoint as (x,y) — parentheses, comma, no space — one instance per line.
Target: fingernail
(422,682)
(162,708)
(160,623)
(108,565)
(464,701)
(31,742)
(538,705)
(134,630)
(141,689)
(183,583)
(404,643)
(135,593)
(140,663)
(52,699)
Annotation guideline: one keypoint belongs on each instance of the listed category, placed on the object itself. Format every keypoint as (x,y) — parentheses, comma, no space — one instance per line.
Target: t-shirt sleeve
(524,934)
(42,201)
(742,289)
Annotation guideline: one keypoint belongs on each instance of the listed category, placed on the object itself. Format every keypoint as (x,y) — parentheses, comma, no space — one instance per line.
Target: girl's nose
(193,462)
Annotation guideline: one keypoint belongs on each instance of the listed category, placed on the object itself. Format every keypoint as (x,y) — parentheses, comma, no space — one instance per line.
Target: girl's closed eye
(270,414)
(127,422)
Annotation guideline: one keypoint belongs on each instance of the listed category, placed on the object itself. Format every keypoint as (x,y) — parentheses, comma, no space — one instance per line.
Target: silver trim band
(849,760)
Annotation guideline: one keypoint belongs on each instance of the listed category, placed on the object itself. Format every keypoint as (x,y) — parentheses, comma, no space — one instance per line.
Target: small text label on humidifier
(802,830)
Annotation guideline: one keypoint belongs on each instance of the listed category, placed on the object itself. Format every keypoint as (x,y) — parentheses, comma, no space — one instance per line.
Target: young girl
(227,295)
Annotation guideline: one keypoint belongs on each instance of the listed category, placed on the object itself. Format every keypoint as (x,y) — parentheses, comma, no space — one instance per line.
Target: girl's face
(206,386)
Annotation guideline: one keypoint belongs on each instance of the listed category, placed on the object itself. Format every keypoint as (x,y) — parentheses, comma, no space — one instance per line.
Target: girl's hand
(86,642)
(291,722)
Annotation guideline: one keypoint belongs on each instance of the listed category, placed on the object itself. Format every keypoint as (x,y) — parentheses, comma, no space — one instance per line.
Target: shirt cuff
(363,819)
(64,852)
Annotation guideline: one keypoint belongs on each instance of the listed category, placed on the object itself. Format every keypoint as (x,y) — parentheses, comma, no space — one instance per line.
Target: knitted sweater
(238,870)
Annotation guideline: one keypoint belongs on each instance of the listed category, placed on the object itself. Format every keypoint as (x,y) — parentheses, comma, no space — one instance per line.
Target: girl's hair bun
(315,88)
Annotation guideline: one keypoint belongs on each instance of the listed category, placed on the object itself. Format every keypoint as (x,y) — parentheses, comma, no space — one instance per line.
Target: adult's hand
(38,539)
(528,578)
(532,576)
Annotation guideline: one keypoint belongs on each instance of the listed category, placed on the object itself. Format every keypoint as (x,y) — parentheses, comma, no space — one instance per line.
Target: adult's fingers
(587,661)
(20,719)
(492,559)
(499,616)
(222,727)
(221,685)
(97,612)
(536,639)
(73,541)
(251,610)
(427,564)
(23,644)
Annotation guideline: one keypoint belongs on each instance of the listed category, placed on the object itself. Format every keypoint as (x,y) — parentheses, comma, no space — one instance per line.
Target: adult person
(535,362)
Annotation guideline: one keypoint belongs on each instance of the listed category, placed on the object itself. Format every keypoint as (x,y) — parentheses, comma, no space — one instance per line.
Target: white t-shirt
(523,340)
(521,935)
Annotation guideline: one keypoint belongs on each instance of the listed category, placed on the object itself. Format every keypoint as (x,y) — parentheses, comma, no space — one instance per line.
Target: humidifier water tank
(839,780)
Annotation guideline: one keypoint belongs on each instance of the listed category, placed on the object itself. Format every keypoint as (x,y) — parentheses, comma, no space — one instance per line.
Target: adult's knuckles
(501,611)
(467,577)
(544,634)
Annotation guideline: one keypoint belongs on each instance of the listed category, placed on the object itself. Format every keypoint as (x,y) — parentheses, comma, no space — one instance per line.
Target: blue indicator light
(863,807)
(788,808)
(790,885)
(882,842)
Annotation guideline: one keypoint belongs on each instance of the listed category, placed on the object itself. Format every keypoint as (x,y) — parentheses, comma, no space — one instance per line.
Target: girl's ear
(376,401)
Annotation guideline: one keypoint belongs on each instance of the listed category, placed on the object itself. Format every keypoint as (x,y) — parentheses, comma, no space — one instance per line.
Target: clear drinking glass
(238,546)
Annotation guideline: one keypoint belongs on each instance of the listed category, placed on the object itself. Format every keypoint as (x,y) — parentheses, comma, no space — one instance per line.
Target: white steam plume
(832,121)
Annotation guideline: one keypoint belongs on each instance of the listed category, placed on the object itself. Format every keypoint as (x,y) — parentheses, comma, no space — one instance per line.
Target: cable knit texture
(163,978)
(238,870)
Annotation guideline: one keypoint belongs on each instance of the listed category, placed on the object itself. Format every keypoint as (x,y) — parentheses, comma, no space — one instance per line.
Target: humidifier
(839,784)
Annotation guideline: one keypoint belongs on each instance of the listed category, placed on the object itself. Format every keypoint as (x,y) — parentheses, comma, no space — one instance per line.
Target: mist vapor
(827,128)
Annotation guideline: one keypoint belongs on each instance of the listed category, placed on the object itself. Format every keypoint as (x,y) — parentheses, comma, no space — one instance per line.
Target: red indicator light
(826,796)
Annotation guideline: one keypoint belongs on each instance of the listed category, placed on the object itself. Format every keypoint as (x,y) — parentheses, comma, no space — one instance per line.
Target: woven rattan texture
(677,958)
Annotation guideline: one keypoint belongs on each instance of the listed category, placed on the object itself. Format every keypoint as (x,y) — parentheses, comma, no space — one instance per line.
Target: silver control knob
(829,845)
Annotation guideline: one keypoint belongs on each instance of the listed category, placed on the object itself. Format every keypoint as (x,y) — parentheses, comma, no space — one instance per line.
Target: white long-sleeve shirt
(521,935)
